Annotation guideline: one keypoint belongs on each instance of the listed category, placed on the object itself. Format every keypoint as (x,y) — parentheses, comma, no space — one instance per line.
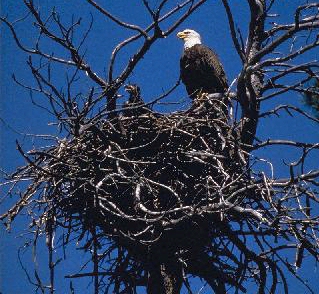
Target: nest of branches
(139,177)
(148,181)
(174,187)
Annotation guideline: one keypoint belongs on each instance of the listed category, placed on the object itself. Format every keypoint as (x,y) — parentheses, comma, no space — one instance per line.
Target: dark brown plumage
(135,105)
(200,68)
(202,72)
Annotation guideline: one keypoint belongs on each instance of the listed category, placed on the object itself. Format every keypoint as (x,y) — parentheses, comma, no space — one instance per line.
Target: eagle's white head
(190,38)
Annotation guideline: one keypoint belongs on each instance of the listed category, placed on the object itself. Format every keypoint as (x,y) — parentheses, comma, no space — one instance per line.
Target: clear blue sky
(157,72)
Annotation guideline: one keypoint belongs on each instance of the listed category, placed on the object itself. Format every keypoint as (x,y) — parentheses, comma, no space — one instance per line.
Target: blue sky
(157,72)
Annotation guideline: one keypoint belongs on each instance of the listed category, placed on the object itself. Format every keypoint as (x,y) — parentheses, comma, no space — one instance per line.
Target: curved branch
(116,20)
(233,31)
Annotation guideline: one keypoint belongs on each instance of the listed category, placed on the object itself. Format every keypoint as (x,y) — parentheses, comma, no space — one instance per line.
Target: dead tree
(159,198)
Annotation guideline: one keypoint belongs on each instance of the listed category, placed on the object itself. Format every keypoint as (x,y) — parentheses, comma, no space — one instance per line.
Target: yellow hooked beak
(181,35)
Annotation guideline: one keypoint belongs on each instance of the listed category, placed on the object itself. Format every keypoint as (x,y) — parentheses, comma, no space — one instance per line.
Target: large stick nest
(143,176)
(163,186)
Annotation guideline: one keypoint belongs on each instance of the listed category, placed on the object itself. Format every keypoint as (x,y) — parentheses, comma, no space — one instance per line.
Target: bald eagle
(200,68)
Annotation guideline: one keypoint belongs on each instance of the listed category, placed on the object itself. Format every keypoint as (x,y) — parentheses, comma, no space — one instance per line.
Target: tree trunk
(251,83)
(165,277)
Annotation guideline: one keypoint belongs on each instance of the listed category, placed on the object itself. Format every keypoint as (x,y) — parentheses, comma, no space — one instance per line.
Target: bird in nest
(200,68)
